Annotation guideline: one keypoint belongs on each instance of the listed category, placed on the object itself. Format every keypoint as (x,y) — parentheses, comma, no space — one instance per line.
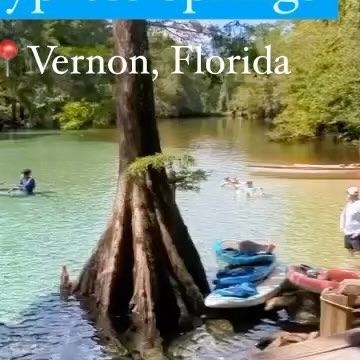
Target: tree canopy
(323,93)
(320,96)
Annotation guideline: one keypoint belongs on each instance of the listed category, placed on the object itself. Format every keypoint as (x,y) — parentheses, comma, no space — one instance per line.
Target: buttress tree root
(145,276)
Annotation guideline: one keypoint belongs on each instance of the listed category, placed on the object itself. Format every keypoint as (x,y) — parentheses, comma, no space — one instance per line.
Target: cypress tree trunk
(145,274)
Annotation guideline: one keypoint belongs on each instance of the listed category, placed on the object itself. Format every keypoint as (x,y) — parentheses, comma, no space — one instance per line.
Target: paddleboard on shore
(267,289)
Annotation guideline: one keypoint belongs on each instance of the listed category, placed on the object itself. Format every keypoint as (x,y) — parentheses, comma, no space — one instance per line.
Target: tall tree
(322,93)
(145,274)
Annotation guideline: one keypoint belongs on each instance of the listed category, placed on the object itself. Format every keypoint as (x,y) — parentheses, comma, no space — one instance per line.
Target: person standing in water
(350,220)
(27,183)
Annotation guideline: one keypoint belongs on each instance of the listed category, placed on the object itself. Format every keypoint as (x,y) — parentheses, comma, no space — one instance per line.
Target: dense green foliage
(320,96)
(76,115)
(31,99)
(323,93)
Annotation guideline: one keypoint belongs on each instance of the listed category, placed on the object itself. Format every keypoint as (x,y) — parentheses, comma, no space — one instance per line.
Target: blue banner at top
(169,9)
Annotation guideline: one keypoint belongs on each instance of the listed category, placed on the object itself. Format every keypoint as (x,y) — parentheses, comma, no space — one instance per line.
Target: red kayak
(307,279)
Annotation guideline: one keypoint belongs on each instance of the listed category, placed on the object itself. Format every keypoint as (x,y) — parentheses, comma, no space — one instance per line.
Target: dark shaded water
(39,234)
(51,329)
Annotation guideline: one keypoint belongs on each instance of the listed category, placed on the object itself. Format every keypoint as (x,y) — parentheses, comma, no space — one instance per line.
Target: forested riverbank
(320,96)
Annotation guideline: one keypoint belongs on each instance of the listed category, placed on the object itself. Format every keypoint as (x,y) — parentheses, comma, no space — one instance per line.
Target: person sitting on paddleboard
(27,183)
(350,220)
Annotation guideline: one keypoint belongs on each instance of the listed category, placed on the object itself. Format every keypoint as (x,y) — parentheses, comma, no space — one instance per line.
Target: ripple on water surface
(40,234)
(51,330)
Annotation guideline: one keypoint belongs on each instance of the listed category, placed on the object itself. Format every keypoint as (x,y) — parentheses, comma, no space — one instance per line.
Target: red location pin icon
(8,50)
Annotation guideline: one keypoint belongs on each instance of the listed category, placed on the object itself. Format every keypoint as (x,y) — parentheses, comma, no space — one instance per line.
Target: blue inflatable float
(250,275)
(242,291)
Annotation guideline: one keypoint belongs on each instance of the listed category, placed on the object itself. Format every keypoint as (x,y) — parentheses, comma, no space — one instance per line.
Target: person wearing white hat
(350,220)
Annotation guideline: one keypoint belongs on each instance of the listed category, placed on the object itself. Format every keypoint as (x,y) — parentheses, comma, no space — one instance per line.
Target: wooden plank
(306,348)
(334,319)
(344,354)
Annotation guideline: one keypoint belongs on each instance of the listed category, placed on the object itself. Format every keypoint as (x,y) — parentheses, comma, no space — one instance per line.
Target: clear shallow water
(40,234)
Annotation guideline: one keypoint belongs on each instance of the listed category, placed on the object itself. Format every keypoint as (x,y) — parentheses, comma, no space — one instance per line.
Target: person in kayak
(27,183)
(350,220)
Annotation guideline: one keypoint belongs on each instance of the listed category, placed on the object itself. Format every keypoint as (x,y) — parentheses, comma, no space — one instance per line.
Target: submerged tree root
(145,276)
(136,279)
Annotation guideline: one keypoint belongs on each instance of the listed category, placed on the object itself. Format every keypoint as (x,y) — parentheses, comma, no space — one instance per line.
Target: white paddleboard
(14,193)
(266,290)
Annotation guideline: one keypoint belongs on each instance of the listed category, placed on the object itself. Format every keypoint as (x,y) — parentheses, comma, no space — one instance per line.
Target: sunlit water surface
(77,172)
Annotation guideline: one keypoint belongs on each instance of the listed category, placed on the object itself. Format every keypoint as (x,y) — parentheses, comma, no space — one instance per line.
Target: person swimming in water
(233,181)
(246,186)
(27,183)
(251,190)
(249,184)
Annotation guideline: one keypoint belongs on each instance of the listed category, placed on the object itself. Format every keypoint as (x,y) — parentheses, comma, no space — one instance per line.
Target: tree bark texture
(145,274)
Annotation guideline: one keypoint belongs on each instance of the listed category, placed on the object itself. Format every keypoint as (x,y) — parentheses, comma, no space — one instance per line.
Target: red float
(330,278)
